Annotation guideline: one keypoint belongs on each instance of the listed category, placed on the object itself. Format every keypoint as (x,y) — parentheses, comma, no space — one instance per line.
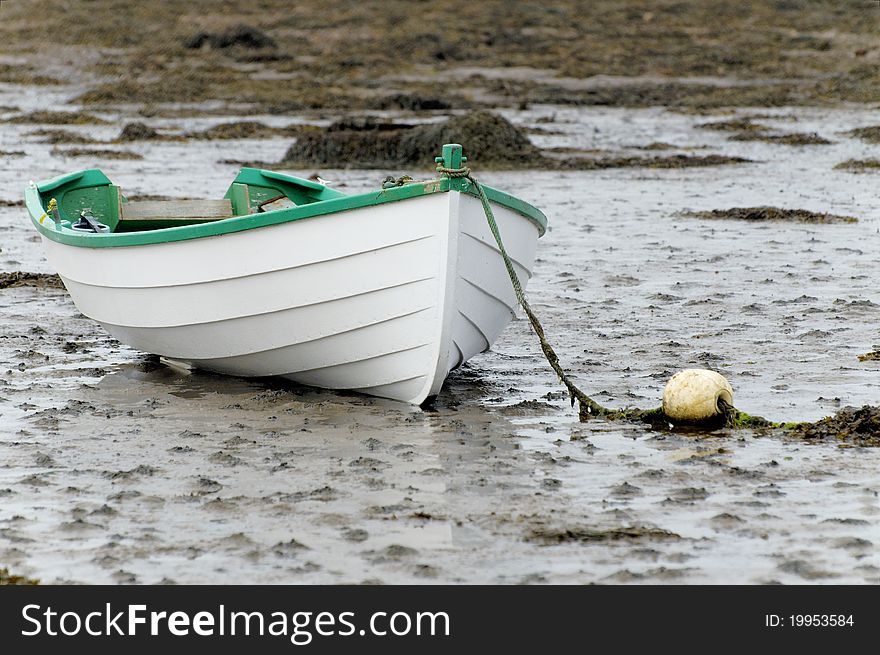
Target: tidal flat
(117,468)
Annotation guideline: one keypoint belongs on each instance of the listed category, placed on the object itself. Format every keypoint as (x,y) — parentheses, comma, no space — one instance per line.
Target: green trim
(114,203)
(301,191)
(239,198)
(90,177)
(312,200)
(513,203)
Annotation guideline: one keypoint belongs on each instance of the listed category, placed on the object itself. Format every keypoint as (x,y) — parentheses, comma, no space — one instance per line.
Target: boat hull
(385,300)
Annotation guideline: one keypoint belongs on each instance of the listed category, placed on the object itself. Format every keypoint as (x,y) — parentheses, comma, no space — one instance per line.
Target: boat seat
(276,202)
(152,214)
(162,210)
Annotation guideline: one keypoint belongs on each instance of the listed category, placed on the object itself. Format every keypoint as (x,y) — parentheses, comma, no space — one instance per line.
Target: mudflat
(714,219)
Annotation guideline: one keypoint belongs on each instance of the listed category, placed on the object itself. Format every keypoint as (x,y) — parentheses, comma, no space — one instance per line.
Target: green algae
(859,165)
(7,578)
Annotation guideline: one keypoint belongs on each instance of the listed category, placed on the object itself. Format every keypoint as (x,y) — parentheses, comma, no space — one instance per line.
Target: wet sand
(117,469)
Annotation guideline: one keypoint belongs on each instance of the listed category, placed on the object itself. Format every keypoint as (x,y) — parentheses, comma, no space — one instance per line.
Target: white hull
(385,300)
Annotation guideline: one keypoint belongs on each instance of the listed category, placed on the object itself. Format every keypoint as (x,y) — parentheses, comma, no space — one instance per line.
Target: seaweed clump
(96,153)
(491,141)
(372,143)
(859,165)
(138,132)
(734,125)
(241,35)
(7,578)
(61,136)
(670,161)
(787,139)
(20,279)
(247,130)
(415,102)
(728,417)
(772,214)
(57,118)
(748,130)
(858,426)
(580,534)
(871,134)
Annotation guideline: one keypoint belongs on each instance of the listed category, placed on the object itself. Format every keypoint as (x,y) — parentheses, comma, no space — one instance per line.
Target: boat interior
(89,202)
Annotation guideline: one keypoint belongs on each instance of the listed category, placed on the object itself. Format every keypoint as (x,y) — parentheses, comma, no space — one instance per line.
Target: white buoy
(692,395)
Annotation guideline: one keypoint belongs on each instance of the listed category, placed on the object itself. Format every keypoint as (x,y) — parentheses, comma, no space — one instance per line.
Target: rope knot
(390,182)
(464,171)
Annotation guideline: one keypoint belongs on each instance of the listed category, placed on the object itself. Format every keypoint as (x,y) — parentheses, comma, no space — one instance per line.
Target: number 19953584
(809,620)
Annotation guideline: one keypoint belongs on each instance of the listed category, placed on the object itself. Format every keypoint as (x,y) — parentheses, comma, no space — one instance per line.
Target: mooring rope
(588,406)
(727,415)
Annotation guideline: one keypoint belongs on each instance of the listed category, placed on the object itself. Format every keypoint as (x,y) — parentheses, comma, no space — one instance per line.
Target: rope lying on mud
(588,407)
(859,425)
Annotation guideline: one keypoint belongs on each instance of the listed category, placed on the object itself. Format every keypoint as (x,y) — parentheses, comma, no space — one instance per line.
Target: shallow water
(115,468)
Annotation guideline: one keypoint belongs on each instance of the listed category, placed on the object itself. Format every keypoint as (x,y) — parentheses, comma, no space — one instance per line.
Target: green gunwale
(327,201)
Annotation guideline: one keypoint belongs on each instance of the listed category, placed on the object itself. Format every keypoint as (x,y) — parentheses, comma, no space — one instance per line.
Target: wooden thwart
(278,202)
(146,210)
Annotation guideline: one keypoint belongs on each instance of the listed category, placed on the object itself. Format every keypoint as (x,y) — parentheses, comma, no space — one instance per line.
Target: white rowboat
(383,293)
